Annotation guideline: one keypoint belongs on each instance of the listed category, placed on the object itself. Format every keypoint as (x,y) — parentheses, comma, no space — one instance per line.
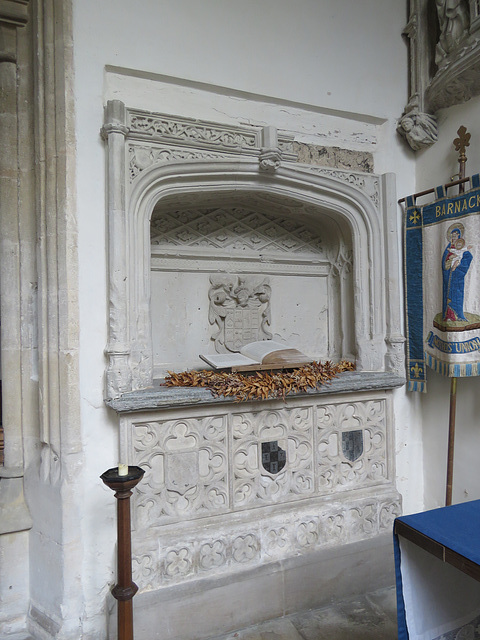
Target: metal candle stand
(125,588)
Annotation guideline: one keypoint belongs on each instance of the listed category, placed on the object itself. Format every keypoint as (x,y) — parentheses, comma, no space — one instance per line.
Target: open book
(265,354)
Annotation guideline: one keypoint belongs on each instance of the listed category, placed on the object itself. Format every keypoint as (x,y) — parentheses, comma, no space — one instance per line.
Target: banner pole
(460,144)
(451,441)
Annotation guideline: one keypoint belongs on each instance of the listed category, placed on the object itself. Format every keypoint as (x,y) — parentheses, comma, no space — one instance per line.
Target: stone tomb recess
(218,237)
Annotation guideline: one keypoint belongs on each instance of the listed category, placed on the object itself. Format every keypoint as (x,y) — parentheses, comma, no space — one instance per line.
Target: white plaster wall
(333,71)
(435,166)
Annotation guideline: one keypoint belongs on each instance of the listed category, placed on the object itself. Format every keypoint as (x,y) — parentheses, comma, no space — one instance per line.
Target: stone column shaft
(118,348)
(10,249)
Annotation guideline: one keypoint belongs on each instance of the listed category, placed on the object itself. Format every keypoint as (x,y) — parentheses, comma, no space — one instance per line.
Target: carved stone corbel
(270,154)
(418,128)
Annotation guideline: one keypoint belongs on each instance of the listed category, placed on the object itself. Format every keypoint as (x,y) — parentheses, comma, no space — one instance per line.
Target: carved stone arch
(130,348)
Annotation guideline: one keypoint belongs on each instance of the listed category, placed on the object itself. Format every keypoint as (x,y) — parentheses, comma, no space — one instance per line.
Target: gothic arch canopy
(360,205)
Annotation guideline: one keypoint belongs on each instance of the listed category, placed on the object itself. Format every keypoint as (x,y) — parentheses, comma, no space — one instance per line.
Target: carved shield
(352,444)
(241,327)
(274,457)
(181,471)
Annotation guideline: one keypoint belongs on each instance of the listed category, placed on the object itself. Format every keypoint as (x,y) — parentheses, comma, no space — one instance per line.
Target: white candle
(122,469)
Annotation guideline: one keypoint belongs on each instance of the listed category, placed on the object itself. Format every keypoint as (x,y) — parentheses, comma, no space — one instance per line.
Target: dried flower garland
(261,384)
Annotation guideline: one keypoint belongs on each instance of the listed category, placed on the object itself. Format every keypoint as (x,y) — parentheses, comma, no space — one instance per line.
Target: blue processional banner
(442,286)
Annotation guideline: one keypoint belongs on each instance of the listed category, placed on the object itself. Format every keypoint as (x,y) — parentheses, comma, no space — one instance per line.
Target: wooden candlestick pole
(125,588)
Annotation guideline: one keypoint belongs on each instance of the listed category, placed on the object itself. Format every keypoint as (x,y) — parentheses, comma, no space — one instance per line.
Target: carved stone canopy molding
(444,39)
(155,158)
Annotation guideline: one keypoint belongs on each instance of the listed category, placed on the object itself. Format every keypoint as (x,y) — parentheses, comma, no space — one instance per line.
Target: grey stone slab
(338,574)
(365,617)
(280,629)
(385,600)
(355,619)
(208,608)
(169,397)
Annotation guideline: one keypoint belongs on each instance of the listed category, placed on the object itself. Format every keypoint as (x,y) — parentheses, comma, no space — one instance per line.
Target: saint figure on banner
(456,260)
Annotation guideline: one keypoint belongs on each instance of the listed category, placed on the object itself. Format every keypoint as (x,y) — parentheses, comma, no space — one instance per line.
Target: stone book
(255,356)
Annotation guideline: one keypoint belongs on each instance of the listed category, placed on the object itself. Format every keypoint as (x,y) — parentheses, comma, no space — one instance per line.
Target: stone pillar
(118,349)
(15,519)
(9,233)
(13,15)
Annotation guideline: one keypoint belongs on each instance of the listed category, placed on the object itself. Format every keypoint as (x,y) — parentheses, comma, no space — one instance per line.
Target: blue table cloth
(435,600)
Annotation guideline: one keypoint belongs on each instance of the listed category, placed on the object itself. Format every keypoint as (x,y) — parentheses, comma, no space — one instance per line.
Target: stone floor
(368,617)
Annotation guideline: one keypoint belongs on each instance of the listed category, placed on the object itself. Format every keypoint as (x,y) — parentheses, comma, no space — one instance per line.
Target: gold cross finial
(460,144)
(463,141)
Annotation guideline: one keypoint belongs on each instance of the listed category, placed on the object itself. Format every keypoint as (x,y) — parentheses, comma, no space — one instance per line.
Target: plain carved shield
(181,471)
(352,444)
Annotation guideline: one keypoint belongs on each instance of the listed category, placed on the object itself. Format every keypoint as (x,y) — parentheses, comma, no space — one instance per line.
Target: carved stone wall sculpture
(454,20)
(239,311)
(444,39)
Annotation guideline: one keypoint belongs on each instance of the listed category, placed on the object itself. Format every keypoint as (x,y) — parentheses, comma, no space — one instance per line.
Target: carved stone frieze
(179,555)
(368,184)
(199,136)
(192,132)
(142,156)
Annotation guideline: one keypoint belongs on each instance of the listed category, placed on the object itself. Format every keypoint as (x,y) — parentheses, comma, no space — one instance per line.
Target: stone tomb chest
(219,237)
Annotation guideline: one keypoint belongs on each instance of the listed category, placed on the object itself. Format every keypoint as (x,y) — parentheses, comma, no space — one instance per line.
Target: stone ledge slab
(171,397)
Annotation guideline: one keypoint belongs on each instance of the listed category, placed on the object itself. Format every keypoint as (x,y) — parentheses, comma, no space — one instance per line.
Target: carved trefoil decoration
(239,310)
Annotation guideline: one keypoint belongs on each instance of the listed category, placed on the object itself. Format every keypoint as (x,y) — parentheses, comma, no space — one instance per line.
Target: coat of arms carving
(239,310)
